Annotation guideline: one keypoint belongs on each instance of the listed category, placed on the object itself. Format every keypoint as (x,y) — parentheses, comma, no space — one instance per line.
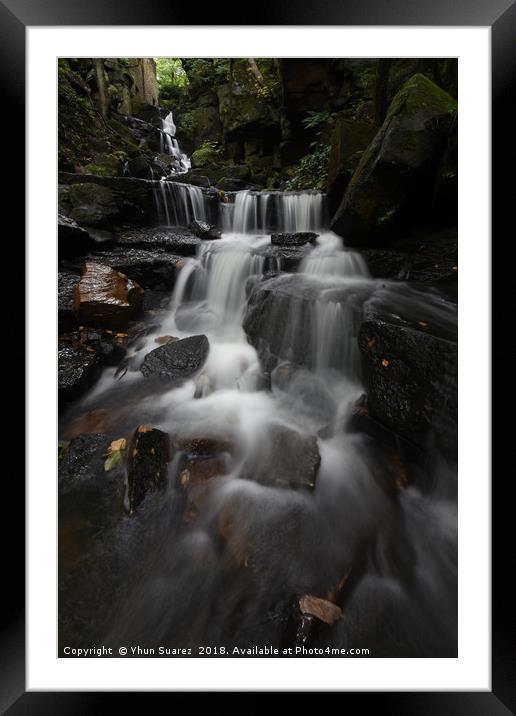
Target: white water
(178,204)
(257,212)
(169,145)
(303,542)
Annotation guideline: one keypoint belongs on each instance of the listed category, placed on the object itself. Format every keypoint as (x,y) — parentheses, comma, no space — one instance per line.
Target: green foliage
(170,72)
(115,454)
(312,170)
(316,119)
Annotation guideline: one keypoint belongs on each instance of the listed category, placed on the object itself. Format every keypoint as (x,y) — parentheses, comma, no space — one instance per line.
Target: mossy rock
(205,156)
(393,181)
(89,204)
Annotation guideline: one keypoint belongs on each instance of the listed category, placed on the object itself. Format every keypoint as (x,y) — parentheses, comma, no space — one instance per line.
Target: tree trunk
(101,85)
(256,71)
(381,90)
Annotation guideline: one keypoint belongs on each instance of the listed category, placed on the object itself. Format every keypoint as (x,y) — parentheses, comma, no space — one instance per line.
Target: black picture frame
(500,15)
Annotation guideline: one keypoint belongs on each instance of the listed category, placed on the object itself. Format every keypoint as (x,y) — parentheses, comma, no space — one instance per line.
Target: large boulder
(348,141)
(176,360)
(150,267)
(78,369)
(148,455)
(293,318)
(393,181)
(135,201)
(106,298)
(411,381)
(90,204)
(286,458)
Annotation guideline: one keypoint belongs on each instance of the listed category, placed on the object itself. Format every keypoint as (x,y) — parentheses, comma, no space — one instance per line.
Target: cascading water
(176,589)
(260,212)
(178,204)
(169,145)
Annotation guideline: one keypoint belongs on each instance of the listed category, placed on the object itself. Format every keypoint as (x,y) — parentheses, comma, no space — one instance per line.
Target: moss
(208,153)
(418,93)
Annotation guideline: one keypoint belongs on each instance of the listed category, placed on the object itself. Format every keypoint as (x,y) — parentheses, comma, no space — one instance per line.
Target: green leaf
(114,454)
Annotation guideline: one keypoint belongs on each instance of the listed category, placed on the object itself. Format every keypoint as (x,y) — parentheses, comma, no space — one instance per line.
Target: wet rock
(193,179)
(176,241)
(163,340)
(204,230)
(230,184)
(77,371)
(300,238)
(93,422)
(83,460)
(411,380)
(111,347)
(283,318)
(149,268)
(177,360)
(87,492)
(66,318)
(203,445)
(148,455)
(106,298)
(73,240)
(197,470)
(287,458)
(282,258)
(393,182)
(155,300)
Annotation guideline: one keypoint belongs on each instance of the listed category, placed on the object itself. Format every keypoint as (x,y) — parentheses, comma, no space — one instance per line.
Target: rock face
(77,371)
(398,169)
(148,455)
(106,298)
(411,380)
(177,360)
(287,459)
(298,239)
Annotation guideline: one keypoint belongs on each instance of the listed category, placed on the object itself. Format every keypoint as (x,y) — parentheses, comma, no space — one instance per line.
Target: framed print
(258,291)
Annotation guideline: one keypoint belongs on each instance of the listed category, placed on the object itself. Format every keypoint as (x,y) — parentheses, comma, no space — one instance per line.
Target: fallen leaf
(320,608)
(424,324)
(114,454)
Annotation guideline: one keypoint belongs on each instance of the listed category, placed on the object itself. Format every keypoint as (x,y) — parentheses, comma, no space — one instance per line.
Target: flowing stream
(173,582)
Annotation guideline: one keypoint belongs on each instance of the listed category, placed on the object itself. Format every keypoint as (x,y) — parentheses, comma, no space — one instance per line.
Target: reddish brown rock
(106,298)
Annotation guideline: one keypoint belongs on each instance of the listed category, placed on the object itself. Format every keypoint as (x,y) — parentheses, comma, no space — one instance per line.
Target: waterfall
(169,145)
(263,212)
(178,204)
